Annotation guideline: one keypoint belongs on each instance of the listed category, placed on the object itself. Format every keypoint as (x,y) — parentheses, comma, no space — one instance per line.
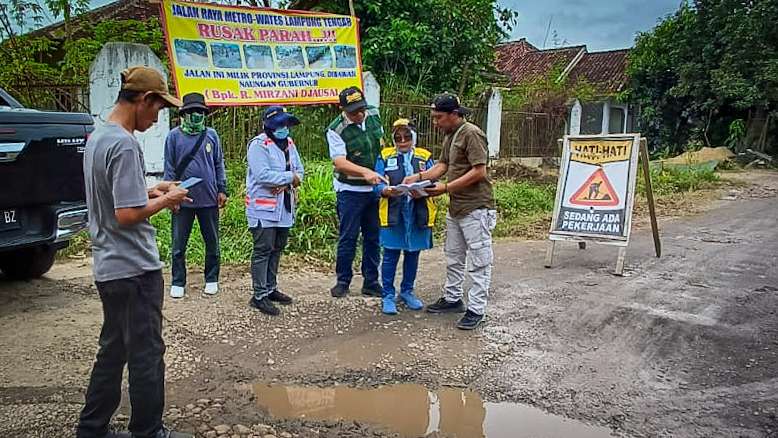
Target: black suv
(42,199)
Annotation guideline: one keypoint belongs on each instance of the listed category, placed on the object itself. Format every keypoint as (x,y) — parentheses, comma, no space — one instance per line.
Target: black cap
(194,101)
(449,103)
(352,99)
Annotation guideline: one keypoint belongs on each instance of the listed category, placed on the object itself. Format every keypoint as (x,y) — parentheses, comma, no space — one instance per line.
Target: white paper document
(418,187)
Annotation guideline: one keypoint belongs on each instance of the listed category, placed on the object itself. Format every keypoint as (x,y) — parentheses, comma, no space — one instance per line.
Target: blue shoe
(389,307)
(411,301)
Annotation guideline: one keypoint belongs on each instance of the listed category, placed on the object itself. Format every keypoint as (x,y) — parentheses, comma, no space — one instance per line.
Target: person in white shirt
(355,141)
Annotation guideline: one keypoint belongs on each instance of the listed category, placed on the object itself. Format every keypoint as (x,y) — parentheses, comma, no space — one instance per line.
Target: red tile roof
(606,70)
(118,10)
(520,61)
(513,49)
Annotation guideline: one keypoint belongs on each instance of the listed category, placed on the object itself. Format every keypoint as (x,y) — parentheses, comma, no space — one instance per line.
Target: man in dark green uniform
(355,142)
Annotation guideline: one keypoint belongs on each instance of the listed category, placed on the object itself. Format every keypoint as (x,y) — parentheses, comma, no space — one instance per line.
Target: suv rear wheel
(27,263)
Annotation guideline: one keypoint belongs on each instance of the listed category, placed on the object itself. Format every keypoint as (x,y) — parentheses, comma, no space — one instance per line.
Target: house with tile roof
(140,10)
(520,61)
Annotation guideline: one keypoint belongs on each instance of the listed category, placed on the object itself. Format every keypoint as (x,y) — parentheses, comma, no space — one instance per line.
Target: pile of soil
(512,170)
(702,156)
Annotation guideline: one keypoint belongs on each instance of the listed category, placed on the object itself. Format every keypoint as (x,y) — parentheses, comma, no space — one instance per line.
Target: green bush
(668,181)
(316,226)
(522,206)
(315,231)
(234,235)
(523,198)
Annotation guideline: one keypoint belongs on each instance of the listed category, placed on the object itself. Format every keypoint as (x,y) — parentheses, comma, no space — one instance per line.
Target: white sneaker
(211,288)
(177,292)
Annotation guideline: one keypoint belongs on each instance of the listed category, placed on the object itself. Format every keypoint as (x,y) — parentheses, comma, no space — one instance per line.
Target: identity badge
(391,164)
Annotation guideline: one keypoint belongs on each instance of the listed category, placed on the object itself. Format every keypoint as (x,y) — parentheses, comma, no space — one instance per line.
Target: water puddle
(414,411)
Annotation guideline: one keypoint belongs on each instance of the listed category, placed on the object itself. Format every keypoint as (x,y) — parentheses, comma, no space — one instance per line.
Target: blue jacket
(208,164)
(266,171)
(404,230)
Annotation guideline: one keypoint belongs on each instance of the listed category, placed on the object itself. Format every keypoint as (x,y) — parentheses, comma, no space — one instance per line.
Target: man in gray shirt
(127,269)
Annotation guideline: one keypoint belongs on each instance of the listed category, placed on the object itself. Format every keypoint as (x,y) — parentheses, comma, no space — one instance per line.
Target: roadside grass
(524,211)
(670,181)
(524,207)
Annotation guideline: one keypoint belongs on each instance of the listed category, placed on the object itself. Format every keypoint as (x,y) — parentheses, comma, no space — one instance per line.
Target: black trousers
(269,244)
(132,335)
(208,218)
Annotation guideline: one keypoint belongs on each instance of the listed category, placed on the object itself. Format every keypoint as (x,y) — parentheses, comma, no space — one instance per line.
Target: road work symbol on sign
(597,191)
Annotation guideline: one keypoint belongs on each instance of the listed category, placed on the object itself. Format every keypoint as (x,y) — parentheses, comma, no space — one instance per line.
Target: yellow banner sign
(600,151)
(237,55)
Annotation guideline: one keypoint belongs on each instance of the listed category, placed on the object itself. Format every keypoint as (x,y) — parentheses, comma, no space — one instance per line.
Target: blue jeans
(357,211)
(389,268)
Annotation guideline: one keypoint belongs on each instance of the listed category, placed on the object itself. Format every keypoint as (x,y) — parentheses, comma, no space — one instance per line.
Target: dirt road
(682,346)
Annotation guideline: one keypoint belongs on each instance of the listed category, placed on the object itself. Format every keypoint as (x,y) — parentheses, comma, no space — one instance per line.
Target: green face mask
(193,123)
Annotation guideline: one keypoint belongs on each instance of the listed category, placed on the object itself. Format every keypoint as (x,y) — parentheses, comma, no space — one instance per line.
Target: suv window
(7,100)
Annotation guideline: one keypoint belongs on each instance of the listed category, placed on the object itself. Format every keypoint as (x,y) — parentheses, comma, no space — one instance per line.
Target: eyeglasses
(403,138)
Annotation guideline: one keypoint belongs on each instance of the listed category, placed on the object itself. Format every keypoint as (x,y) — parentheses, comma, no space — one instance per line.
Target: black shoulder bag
(181,168)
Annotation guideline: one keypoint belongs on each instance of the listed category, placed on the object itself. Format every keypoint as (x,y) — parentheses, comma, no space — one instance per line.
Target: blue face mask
(281,133)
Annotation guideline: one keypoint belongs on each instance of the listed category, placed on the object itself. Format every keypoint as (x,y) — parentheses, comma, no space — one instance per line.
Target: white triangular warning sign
(597,191)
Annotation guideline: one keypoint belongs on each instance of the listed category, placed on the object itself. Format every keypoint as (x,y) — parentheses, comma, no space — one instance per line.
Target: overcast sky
(600,24)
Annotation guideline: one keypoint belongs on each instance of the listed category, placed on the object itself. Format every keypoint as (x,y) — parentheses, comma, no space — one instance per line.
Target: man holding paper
(405,213)
(355,141)
(471,214)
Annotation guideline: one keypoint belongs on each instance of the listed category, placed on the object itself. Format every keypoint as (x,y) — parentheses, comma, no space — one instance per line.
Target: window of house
(591,118)
(616,122)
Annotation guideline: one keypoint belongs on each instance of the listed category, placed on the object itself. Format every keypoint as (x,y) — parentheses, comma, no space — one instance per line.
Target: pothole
(415,411)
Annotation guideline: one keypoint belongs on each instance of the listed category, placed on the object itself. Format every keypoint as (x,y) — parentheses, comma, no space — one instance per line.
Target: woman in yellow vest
(406,222)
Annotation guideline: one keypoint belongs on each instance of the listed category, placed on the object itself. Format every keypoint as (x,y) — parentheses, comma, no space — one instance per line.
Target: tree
(16,14)
(81,52)
(710,63)
(22,56)
(67,9)
(433,44)
(30,60)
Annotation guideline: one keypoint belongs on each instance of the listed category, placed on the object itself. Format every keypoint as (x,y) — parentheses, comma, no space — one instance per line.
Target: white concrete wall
(494,122)
(575,118)
(372,89)
(104,83)
(606,116)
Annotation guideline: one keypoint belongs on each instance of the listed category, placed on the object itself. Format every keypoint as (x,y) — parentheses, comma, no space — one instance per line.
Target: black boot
(167,433)
(265,306)
(339,290)
(373,290)
(443,306)
(279,297)
(470,321)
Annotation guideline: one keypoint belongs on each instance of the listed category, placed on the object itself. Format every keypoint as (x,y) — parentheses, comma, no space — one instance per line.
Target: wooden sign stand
(622,244)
